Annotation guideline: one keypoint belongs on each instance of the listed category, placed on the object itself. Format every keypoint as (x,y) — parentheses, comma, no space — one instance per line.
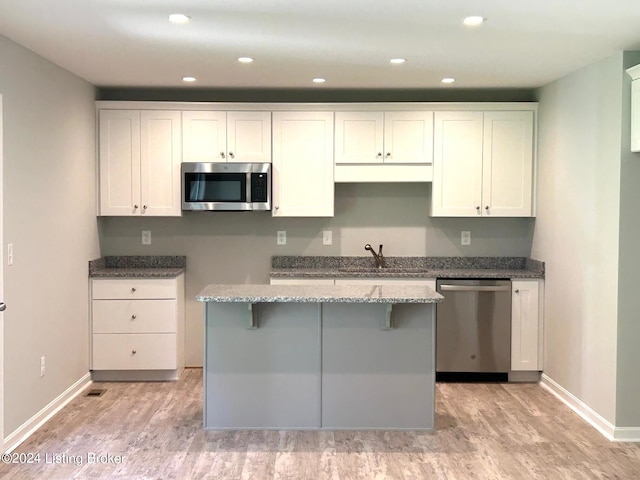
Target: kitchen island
(319,357)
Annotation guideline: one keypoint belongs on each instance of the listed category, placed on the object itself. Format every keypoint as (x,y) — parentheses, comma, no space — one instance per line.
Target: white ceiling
(523,43)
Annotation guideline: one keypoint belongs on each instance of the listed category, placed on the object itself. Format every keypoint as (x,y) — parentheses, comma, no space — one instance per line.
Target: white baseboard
(34,423)
(606,428)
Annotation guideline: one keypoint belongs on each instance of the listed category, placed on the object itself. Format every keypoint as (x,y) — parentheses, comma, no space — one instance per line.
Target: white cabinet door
(359,137)
(457,164)
(119,152)
(204,136)
(303,164)
(507,164)
(408,137)
(160,158)
(483,164)
(384,137)
(635,108)
(219,136)
(526,325)
(140,158)
(249,137)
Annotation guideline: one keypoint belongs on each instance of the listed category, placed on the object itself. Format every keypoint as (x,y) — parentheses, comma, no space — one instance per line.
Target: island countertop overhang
(249,293)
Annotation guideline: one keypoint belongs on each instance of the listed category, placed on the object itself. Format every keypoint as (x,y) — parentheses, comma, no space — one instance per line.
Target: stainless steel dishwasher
(473,326)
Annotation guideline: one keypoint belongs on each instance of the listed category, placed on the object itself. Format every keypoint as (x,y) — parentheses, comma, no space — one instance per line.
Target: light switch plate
(281,238)
(10,254)
(465,238)
(146,237)
(327,237)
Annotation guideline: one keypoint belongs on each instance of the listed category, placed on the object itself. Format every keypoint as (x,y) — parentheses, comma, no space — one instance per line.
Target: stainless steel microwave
(226,186)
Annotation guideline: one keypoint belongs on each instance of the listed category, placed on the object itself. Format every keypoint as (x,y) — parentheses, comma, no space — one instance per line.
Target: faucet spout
(378,257)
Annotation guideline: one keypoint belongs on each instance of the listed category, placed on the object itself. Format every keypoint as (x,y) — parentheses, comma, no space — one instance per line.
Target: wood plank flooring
(484,431)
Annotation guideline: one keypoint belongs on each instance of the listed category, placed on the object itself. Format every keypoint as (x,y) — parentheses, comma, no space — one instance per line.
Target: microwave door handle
(248,187)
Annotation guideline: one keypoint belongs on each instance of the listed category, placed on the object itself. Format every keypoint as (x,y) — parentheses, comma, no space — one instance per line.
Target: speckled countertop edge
(407,267)
(139,266)
(317,294)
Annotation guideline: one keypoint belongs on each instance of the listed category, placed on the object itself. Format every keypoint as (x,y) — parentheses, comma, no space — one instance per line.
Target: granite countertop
(318,294)
(147,266)
(407,267)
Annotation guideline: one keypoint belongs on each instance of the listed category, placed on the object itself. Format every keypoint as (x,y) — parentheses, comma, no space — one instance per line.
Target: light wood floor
(484,431)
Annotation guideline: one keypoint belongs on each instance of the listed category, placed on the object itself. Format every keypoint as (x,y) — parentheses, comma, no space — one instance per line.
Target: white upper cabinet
(483,164)
(204,136)
(634,73)
(302,164)
(457,169)
(140,156)
(384,137)
(233,136)
(119,147)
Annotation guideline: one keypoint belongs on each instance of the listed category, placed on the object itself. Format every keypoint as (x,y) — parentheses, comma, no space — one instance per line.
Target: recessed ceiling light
(398,60)
(473,20)
(319,80)
(179,18)
(448,80)
(188,79)
(245,59)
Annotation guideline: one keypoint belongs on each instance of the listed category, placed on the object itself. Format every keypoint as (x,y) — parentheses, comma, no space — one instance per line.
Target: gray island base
(320,357)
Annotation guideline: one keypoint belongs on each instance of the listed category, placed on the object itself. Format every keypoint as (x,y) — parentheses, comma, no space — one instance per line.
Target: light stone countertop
(406,267)
(318,294)
(403,273)
(138,266)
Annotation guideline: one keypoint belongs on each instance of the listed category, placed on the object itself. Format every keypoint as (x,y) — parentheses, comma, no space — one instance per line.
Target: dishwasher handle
(475,288)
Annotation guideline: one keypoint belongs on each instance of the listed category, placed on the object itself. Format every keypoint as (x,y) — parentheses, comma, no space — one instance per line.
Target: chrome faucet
(379,258)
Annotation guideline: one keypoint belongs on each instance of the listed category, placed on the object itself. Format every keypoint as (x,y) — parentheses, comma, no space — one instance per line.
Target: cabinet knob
(517,291)
(133,289)
(379,155)
(134,316)
(487,208)
(231,155)
(144,207)
(135,207)
(222,154)
(388,154)
(478,208)
(133,352)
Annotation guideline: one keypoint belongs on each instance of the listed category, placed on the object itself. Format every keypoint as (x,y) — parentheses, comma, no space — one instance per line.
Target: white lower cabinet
(526,324)
(137,326)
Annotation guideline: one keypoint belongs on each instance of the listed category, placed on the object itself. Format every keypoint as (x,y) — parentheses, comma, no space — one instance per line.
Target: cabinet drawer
(134,316)
(148,351)
(126,288)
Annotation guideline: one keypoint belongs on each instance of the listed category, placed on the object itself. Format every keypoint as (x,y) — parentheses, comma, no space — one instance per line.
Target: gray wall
(628,358)
(224,247)
(49,216)
(577,229)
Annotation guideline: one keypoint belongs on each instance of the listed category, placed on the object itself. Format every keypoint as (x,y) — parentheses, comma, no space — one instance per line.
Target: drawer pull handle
(133,352)
(134,316)
(133,289)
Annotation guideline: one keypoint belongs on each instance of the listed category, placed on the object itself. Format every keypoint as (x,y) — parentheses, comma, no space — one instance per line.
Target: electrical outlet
(281,237)
(42,366)
(465,238)
(327,237)
(10,254)
(146,237)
